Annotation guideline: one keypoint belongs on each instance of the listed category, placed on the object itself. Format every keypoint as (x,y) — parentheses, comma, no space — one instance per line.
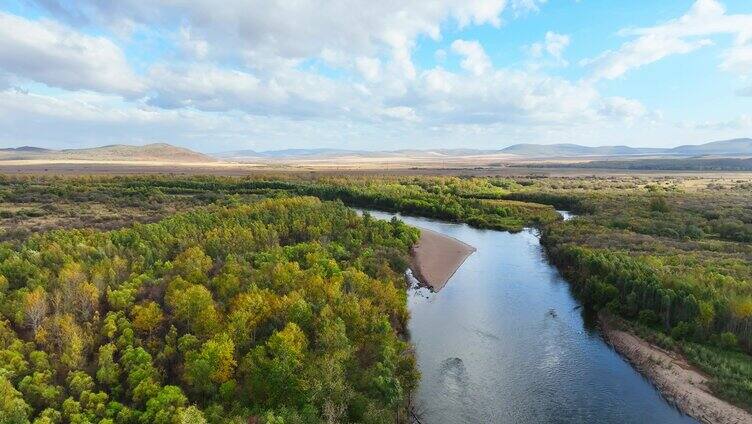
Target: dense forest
(673,256)
(288,310)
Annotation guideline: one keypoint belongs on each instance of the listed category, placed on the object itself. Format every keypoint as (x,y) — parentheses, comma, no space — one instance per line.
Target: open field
(236,169)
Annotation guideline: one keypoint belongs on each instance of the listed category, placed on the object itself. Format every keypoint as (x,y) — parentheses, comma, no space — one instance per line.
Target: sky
(374,75)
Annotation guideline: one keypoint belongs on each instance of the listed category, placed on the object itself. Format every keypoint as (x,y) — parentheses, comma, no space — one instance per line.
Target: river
(505,341)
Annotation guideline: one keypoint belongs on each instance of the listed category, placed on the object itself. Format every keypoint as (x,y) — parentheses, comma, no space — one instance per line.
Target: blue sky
(364,75)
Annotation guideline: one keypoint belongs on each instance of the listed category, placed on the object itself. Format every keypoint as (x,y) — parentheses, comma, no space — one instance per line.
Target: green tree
(212,366)
(192,264)
(147,317)
(163,407)
(13,408)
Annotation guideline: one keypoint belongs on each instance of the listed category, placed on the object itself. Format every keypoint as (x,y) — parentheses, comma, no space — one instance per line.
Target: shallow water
(506,342)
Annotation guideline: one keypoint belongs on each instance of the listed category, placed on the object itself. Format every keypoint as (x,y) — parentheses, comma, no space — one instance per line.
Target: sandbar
(436,257)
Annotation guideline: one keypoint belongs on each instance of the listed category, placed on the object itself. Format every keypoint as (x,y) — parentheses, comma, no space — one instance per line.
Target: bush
(727,340)
(647,317)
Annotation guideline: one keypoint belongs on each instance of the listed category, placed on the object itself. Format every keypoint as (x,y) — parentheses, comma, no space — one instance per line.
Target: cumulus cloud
(683,35)
(738,59)
(295,29)
(475,59)
(315,71)
(553,44)
(55,55)
(290,92)
(510,96)
(369,67)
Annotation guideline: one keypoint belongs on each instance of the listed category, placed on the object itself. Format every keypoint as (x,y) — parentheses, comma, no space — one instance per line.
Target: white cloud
(475,58)
(249,73)
(623,108)
(369,68)
(57,56)
(683,35)
(295,29)
(194,47)
(507,96)
(635,54)
(553,45)
(400,113)
(741,122)
(556,44)
(288,92)
(738,59)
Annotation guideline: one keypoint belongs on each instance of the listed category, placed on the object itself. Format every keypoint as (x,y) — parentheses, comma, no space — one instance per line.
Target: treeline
(478,201)
(287,310)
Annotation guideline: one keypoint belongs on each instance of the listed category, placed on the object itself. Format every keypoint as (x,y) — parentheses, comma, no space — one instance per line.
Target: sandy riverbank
(436,257)
(678,381)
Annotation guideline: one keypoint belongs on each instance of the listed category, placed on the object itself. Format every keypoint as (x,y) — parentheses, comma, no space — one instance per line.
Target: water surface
(506,342)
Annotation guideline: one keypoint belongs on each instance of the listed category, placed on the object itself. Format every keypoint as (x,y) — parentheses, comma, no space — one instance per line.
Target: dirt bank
(436,257)
(678,381)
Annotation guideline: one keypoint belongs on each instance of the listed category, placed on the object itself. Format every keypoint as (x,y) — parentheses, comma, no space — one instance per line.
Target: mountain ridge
(154,152)
(164,152)
(738,146)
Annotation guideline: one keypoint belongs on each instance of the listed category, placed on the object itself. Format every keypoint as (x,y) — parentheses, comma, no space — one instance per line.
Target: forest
(288,310)
(671,255)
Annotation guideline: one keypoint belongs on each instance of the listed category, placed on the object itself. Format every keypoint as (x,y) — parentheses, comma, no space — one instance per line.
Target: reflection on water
(505,342)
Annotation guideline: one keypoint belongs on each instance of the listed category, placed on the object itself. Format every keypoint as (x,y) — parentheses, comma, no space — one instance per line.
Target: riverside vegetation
(178,319)
(290,310)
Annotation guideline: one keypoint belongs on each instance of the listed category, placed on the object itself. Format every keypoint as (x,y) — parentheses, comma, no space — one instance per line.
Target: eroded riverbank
(678,381)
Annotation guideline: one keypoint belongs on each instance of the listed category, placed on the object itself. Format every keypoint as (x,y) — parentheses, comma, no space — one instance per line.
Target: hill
(156,152)
(737,146)
(565,149)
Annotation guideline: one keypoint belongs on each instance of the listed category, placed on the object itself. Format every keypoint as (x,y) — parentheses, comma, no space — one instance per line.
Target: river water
(505,341)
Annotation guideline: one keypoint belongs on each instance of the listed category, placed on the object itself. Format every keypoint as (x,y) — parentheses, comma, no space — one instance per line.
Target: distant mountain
(22,149)
(157,152)
(737,146)
(551,150)
(162,152)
